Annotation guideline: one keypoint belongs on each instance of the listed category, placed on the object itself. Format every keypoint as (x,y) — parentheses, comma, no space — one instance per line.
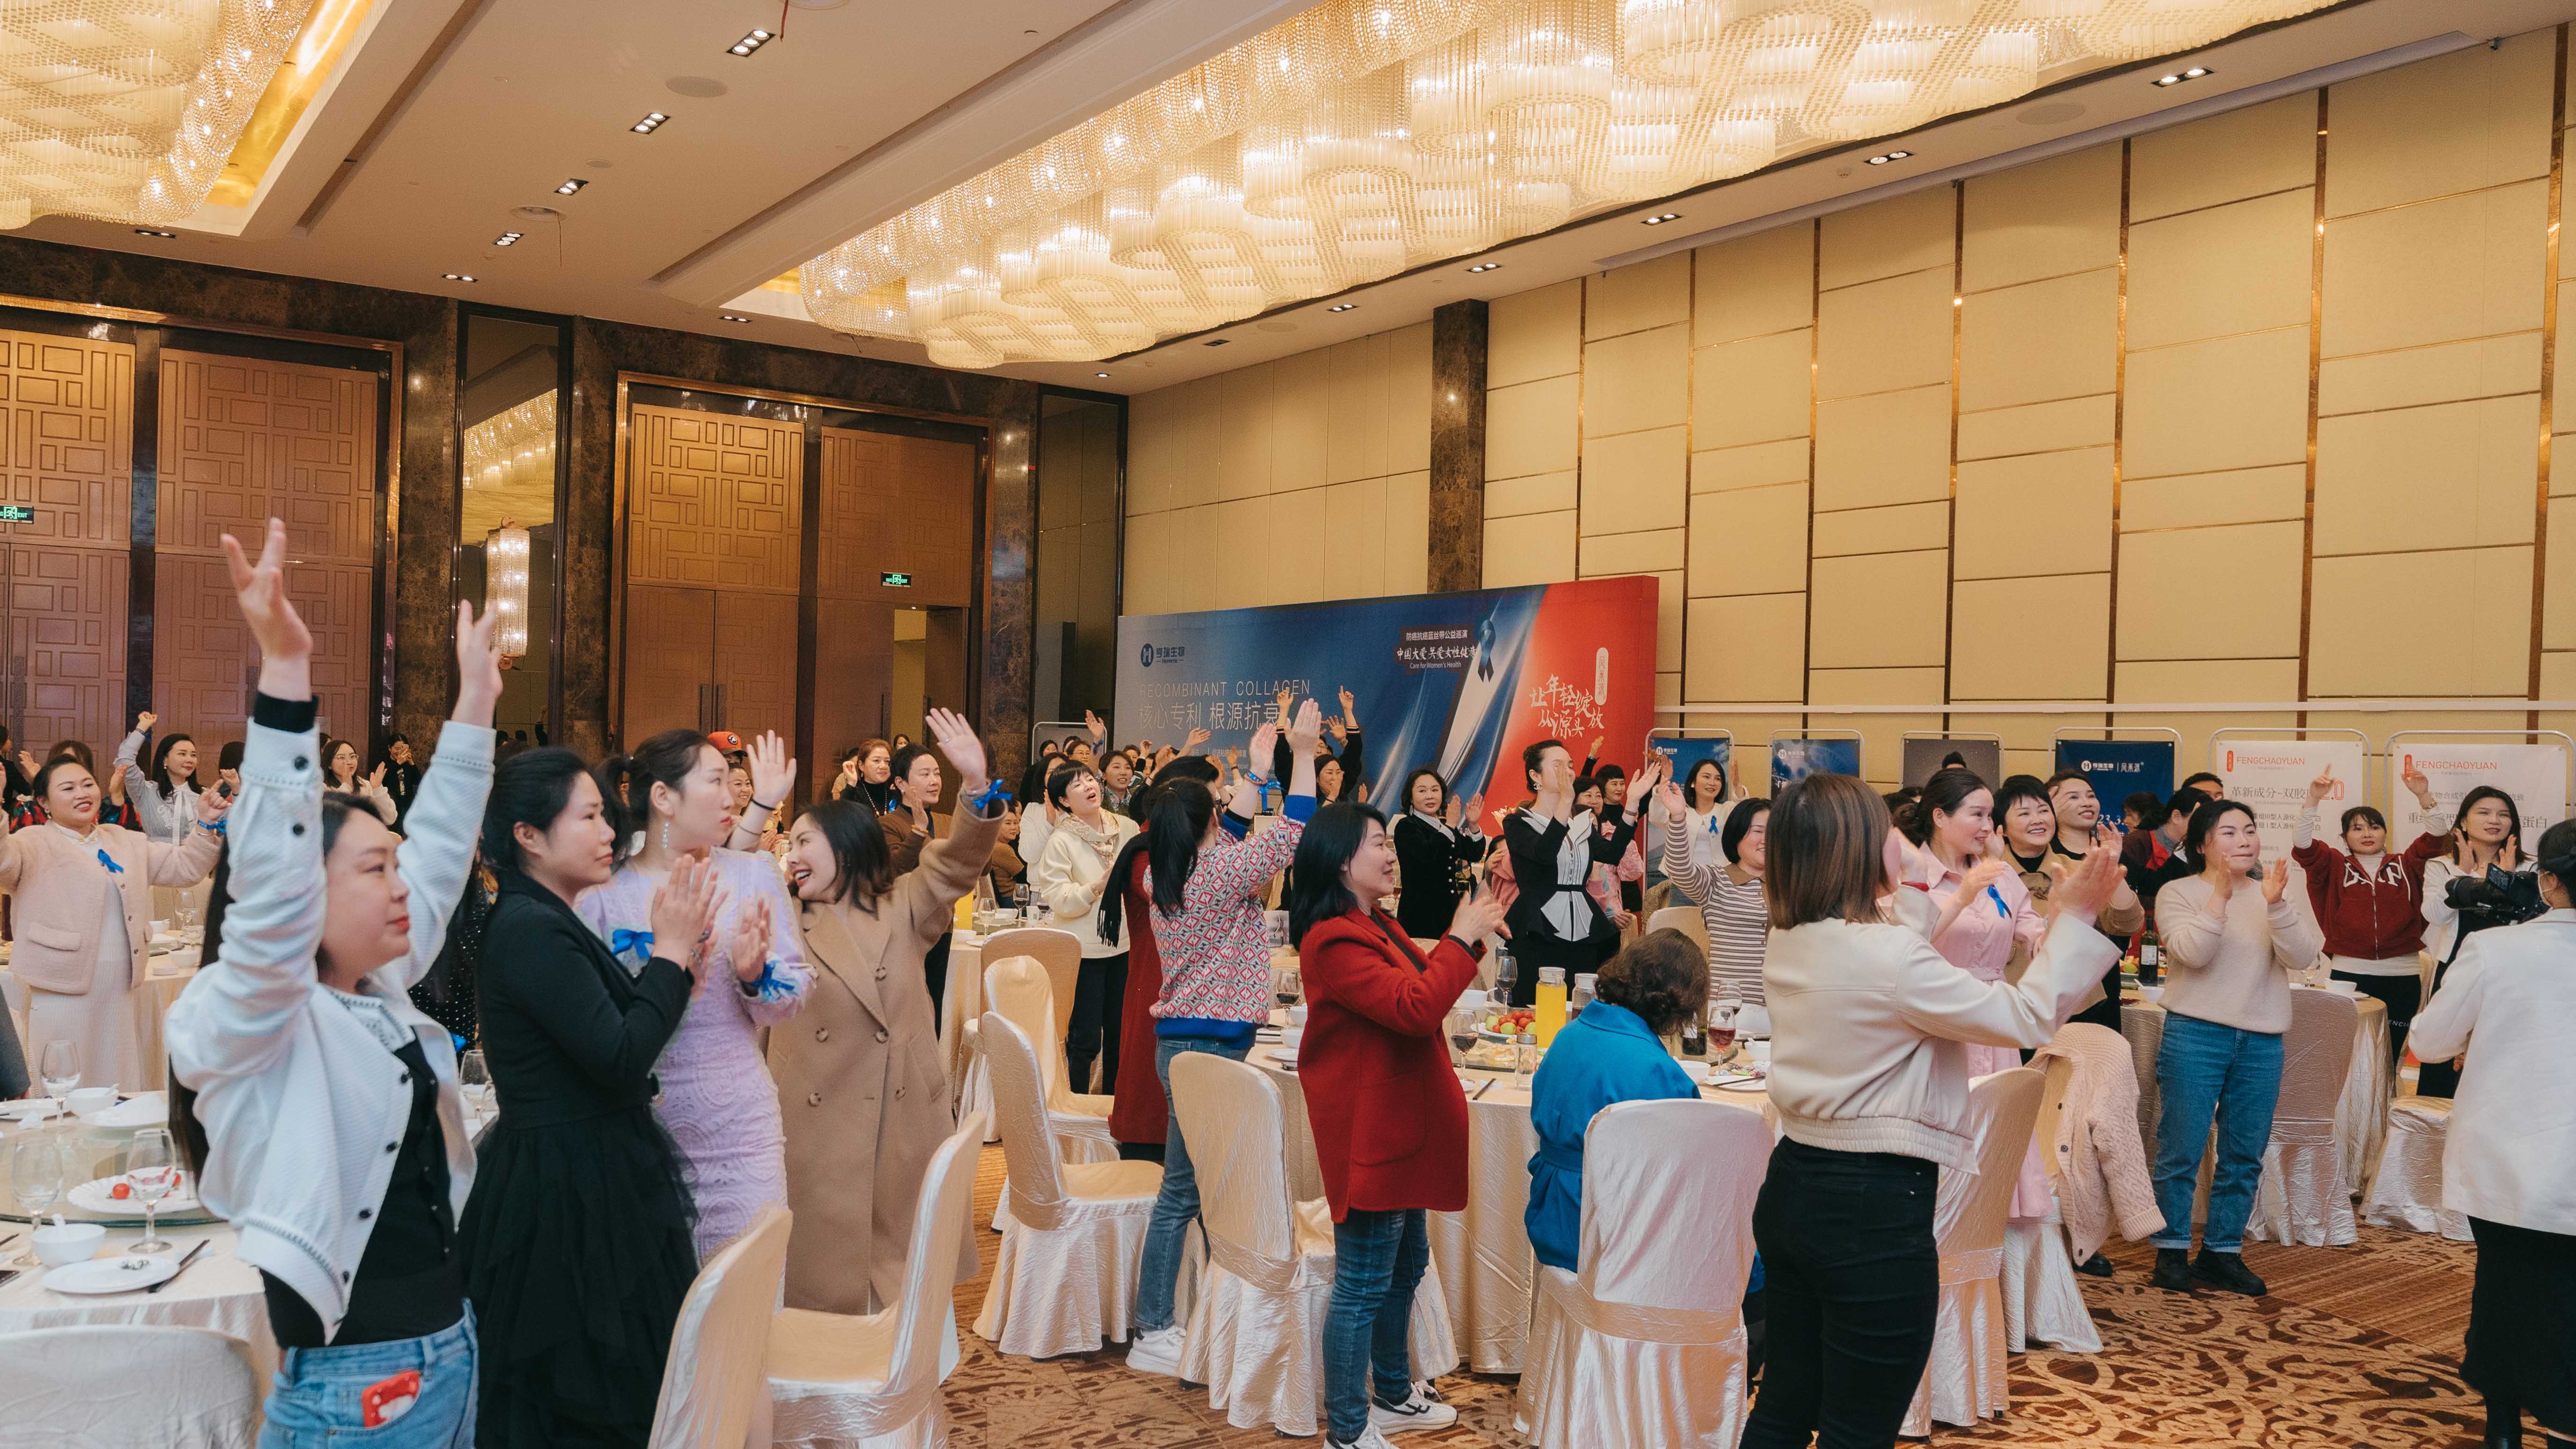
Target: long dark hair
(626,781)
(2512,814)
(1947,790)
(161,764)
(191,1134)
(864,866)
(331,748)
(533,788)
(1150,802)
(1175,822)
(1315,890)
(1690,782)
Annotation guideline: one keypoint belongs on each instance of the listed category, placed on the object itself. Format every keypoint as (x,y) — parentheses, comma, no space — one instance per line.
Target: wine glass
(60,1068)
(152,1170)
(1287,984)
(183,917)
(36,1173)
(1505,972)
(1721,1027)
(1464,1025)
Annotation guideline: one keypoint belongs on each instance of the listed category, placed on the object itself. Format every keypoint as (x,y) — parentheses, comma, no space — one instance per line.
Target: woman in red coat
(1389,1120)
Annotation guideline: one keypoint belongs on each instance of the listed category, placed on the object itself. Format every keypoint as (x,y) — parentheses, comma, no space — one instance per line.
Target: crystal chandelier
(515,446)
(126,109)
(505,589)
(1364,137)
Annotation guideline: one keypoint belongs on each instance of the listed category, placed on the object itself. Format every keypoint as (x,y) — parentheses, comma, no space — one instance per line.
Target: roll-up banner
(2534,775)
(1794,758)
(1686,755)
(1457,682)
(1925,754)
(2271,778)
(2120,768)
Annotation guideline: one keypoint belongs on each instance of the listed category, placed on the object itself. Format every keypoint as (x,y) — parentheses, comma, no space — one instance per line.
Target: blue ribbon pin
(621,940)
(110,862)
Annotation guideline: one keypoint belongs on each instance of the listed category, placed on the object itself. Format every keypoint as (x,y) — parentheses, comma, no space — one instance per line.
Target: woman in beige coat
(860,1082)
(81,907)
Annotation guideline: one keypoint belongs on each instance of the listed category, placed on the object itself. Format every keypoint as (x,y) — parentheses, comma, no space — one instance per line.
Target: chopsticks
(182,1268)
(1482,1088)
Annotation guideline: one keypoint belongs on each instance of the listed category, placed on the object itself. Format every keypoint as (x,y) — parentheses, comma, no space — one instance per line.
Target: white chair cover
(1066,1276)
(2042,1301)
(1684,918)
(1965,1380)
(115,1386)
(1644,1346)
(715,1387)
(2408,1191)
(1022,988)
(841,1381)
(2304,1197)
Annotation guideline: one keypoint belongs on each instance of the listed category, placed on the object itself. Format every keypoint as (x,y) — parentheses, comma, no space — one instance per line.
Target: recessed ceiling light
(729,317)
(508,238)
(1484,266)
(750,43)
(1659,220)
(652,122)
(1218,341)
(1096,374)
(2178,77)
(570,186)
(1343,307)
(164,235)
(1890,156)
(457,277)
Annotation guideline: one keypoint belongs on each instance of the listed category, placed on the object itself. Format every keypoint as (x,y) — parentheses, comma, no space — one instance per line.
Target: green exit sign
(21,513)
(895,581)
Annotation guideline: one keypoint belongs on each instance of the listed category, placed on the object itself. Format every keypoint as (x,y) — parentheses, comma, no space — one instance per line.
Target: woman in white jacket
(2510,1163)
(1070,875)
(334,1137)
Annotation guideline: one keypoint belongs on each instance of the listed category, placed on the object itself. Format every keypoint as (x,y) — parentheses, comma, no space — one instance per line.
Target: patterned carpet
(2356,1346)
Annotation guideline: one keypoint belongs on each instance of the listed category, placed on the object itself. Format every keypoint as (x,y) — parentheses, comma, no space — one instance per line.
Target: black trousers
(934,967)
(1852,1279)
(1099,1010)
(2403,996)
(2522,1323)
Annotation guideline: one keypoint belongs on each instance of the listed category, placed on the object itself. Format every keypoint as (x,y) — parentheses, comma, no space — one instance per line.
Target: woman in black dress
(1437,846)
(1554,845)
(577,1240)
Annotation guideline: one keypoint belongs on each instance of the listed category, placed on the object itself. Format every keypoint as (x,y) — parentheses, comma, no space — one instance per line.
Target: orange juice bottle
(1550,1004)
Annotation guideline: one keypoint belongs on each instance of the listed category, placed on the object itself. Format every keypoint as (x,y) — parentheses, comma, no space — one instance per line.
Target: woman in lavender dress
(669,801)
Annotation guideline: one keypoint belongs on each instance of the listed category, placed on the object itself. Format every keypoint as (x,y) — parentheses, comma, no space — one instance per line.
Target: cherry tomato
(121,1191)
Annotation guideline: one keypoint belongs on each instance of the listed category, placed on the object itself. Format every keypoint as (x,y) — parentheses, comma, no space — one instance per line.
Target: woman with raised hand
(2485,841)
(1705,808)
(334,1137)
(165,801)
(340,774)
(1071,875)
(1437,846)
(760,783)
(1553,847)
(1732,907)
(2370,903)
(860,1081)
(669,804)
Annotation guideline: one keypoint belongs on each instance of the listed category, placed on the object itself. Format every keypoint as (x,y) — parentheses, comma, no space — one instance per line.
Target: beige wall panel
(2211,593)
(1609,555)
(1878,610)
(1750,648)
(1302,388)
(1294,579)
(2043,220)
(1669,611)
(1533,428)
(2455,475)
(1408,533)
(2232,402)
(1534,334)
(1636,481)
(2082,422)
(1749,540)
(1202,429)
(1355,521)
(1187,564)
(2040,342)
(2030,735)
(1998,653)
(2049,513)
(1668,689)
(1757,466)
(2194,500)
(1882,530)
(1641,380)
(2210,681)
(1246,408)
(1145,582)
(1534,548)
(1880,336)
(2385,651)
(1355,435)
(1882,735)
(1886,238)
(1893,448)
(2463,266)
(1752,391)
(2558,681)
(1634,298)
(2236,268)
(2558,604)
(2484,367)
(2265,148)
(2473,118)
(1761,283)
(1231,587)
(1539,493)
(1408,399)
(1153,450)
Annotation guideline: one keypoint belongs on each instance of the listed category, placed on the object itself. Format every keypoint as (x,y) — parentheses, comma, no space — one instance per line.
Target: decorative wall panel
(67,643)
(715,501)
(670,652)
(67,451)
(900,504)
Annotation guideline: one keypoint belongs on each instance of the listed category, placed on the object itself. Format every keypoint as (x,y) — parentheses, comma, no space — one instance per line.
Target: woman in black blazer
(1437,846)
(1554,846)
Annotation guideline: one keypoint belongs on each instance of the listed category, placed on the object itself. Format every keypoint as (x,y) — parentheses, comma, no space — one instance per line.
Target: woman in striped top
(1729,895)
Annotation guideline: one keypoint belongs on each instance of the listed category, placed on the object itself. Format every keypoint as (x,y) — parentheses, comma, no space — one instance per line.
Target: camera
(2497,898)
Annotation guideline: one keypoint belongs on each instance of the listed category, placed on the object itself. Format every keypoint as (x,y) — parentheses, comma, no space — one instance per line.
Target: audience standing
(2369,903)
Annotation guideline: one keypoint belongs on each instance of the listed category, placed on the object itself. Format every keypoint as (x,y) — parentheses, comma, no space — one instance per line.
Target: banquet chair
(849,1381)
(2407,1193)
(1059,953)
(2303,1197)
(715,1388)
(120,1384)
(2042,1301)
(1023,989)
(1256,1331)
(1066,1275)
(1684,918)
(1644,1346)
(1966,1380)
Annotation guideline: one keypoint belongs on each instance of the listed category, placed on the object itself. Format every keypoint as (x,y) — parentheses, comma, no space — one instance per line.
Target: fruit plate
(99,1197)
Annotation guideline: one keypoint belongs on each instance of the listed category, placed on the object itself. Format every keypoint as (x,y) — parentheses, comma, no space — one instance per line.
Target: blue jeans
(2206,1071)
(1378,1259)
(1158,1268)
(319,1397)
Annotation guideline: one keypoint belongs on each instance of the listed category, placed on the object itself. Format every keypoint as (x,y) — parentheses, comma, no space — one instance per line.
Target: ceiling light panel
(652,122)
(750,43)
(571,185)
(1363,138)
(126,109)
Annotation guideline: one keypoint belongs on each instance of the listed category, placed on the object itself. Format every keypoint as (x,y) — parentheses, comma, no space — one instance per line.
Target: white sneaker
(1369,1438)
(1156,1351)
(1420,1411)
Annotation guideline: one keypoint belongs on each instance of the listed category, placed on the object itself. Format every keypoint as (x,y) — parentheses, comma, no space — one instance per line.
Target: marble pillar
(1457,447)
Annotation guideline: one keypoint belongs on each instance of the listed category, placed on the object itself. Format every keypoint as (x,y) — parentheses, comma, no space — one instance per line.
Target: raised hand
(2322,786)
(957,740)
(2085,890)
(1979,876)
(1265,740)
(1341,731)
(1198,737)
(2276,880)
(211,805)
(27,763)
(285,645)
(2417,784)
(683,912)
(1287,700)
(1308,727)
(1479,914)
(143,722)
(773,774)
(1449,812)
(748,949)
(1099,730)
(1348,703)
(478,666)
(1475,807)
(1594,753)
(376,776)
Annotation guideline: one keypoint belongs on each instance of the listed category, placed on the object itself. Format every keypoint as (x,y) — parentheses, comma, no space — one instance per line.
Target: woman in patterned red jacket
(2369,903)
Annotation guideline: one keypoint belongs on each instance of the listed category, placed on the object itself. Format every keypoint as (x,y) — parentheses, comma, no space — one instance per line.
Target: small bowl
(88,1101)
(1290,1037)
(2152,995)
(70,1243)
(1297,1014)
(1758,1051)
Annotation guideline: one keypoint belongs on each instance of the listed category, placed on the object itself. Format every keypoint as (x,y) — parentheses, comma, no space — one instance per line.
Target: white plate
(29,1110)
(1285,1061)
(131,1273)
(150,1109)
(93,1197)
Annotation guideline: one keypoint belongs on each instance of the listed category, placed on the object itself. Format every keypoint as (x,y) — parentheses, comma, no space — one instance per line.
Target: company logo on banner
(1796,759)
(2120,768)
(2271,778)
(2534,775)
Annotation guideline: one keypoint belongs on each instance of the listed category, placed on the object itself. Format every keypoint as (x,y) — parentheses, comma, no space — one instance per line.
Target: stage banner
(2534,775)
(2120,769)
(1458,682)
(1923,756)
(1795,759)
(2271,777)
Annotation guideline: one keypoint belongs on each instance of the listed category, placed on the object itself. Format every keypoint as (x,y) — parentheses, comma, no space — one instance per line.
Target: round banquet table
(167,973)
(219,1291)
(1484,1254)
(2361,1113)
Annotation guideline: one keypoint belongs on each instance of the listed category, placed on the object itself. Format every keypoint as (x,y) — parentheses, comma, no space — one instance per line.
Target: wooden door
(67,451)
(670,655)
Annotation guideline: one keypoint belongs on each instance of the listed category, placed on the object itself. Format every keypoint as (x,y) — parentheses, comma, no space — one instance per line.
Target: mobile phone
(225,790)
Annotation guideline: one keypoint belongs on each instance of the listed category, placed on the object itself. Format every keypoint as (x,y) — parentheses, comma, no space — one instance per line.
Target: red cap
(726,740)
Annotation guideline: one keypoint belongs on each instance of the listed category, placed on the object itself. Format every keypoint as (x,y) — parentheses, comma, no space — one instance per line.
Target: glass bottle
(1582,995)
(1550,1005)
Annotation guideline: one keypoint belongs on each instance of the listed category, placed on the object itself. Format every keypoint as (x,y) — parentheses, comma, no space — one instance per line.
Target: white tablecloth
(166,976)
(2361,1114)
(219,1291)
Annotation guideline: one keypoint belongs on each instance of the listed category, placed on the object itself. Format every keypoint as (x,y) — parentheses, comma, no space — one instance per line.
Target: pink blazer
(55,908)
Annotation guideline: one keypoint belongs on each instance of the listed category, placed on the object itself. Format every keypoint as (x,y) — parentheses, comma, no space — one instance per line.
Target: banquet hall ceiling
(426,129)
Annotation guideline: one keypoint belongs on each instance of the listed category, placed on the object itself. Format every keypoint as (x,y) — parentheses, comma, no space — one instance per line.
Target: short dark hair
(1061,778)
(1662,976)
(2017,788)
(2367,813)
(1188,767)
(1739,823)
(2512,812)
(1406,799)
(1532,754)
(2192,781)
(2151,811)
(901,766)
(1826,843)
(1690,777)
(2186,802)
(531,788)
(859,853)
(1316,893)
(2557,853)
(1586,782)
(230,756)
(45,773)
(2062,776)
(2205,819)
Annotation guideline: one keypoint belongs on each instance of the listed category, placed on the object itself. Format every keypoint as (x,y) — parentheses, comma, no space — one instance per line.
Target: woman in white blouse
(2485,835)
(165,801)
(1071,874)
(340,772)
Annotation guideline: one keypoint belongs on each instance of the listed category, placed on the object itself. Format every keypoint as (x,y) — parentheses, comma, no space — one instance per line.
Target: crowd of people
(696,999)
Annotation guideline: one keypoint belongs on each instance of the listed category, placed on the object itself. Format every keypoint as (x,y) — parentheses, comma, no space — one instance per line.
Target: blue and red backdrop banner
(2120,768)
(1458,682)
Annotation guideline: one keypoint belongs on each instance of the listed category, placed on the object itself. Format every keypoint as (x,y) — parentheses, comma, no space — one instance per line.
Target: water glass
(36,1172)
(1721,1027)
(60,1068)
(152,1170)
